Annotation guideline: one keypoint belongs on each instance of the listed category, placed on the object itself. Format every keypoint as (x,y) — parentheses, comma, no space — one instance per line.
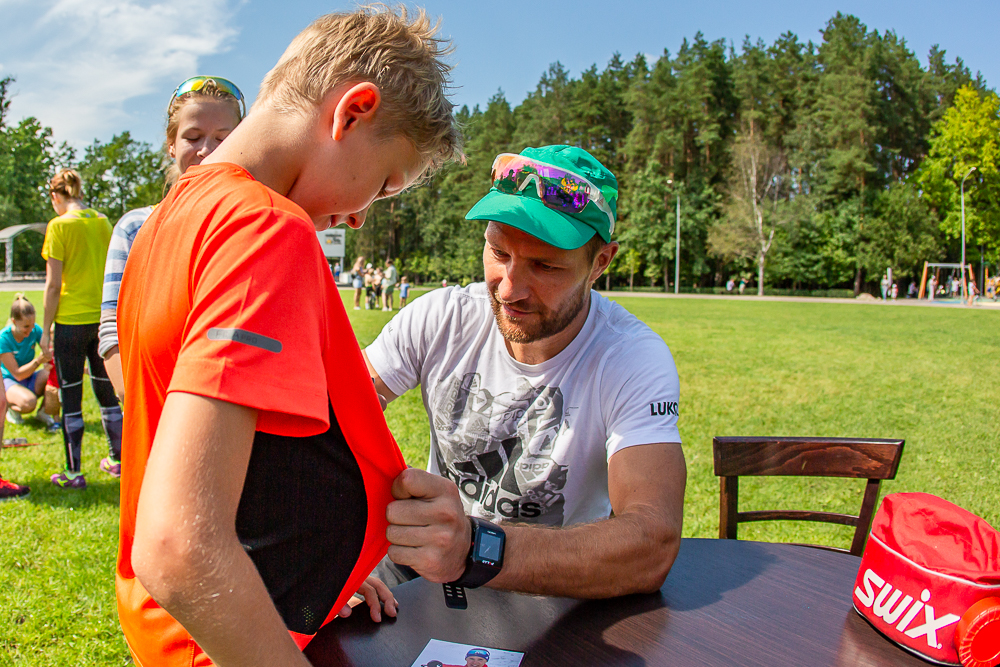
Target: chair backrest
(858,458)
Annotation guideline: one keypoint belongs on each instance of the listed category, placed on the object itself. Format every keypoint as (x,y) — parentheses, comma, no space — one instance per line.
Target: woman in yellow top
(75,249)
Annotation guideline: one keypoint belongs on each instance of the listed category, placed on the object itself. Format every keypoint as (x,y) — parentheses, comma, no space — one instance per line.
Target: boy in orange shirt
(253,497)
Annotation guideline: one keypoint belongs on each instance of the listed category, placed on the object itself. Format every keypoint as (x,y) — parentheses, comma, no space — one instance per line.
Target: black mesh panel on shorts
(302,519)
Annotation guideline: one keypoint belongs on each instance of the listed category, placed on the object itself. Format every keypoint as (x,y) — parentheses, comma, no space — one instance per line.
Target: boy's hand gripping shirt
(227,294)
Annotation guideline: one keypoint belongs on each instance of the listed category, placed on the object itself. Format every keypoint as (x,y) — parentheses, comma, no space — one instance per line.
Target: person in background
(911,291)
(389,280)
(895,291)
(404,291)
(377,279)
(369,286)
(931,287)
(52,404)
(884,285)
(200,115)
(8,339)
(10,490)
(75,249)
(730,284)
(24,374)
(336,272)
(743,284)
(358,280)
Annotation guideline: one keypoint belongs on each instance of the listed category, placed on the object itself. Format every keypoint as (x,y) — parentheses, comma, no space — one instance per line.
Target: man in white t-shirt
(550,406)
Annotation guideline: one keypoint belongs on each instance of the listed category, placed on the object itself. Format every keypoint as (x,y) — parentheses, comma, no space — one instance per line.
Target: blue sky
(92,68)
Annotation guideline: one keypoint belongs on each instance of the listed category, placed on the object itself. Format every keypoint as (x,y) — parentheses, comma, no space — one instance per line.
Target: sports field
(929,375)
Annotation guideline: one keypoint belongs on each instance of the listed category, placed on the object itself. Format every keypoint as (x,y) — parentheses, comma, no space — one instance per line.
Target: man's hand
(45,343)
(375,593)
(428,529)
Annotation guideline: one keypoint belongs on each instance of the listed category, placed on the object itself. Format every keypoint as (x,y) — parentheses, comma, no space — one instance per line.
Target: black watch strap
(454,597)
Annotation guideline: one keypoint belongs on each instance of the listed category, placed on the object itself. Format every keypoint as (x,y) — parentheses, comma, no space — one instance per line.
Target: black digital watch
(484,561)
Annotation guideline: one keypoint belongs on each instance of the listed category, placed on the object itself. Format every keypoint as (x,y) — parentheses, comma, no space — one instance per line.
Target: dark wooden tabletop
(726,602)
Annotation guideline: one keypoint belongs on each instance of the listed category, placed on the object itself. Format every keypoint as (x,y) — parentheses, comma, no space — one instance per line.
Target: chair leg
(865,517)
(728,501)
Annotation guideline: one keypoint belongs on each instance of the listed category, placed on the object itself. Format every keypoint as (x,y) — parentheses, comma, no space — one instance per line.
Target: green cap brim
(533,217)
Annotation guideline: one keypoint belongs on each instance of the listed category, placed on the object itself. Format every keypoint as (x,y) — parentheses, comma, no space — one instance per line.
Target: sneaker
(112,467)
(69,480)
(10,490)
(47,419)
(14,417)
(357,307)
(52,425)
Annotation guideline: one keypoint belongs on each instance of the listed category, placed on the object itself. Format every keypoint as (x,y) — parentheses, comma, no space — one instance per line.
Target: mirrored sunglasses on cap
(559,189)
(196,83)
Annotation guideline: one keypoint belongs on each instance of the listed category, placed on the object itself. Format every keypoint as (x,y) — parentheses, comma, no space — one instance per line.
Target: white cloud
(77,62)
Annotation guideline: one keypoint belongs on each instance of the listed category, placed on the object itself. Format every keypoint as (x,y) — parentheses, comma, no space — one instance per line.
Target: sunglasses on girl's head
(559,189)
(196,83)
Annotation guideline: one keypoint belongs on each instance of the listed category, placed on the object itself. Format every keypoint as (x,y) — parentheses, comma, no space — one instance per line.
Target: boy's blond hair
(382,46)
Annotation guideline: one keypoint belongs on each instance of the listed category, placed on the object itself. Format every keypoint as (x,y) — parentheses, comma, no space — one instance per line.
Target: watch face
(489,547)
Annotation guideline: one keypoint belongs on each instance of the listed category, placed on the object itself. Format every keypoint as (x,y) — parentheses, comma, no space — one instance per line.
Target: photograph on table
(440,653)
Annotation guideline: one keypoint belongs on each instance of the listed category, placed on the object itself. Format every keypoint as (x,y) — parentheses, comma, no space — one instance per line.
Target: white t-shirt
(391,275)
(521,441)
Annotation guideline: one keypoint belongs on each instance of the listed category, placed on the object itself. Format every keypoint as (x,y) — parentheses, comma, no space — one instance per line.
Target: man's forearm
(631,553)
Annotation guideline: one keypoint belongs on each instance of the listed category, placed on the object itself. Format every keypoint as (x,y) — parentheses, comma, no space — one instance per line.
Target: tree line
(798,165)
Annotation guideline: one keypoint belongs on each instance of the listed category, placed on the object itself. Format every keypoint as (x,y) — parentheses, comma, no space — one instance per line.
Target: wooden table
(726,602)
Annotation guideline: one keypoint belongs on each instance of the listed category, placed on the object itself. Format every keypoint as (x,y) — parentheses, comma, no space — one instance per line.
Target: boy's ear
(357,103)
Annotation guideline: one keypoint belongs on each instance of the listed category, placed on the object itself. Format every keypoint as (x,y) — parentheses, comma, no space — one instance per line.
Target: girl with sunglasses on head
(202,112)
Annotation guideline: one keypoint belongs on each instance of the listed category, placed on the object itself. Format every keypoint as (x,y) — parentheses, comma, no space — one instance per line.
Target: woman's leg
(41,379)
(111,411)
(21,399)
(70,350)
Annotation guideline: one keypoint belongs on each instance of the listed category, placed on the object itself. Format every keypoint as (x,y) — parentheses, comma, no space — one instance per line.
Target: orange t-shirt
(227,295)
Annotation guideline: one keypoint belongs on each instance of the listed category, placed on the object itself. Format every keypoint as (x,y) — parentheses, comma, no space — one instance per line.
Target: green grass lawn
(928,375)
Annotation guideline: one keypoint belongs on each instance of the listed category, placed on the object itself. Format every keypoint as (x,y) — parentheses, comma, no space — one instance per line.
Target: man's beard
(549,322)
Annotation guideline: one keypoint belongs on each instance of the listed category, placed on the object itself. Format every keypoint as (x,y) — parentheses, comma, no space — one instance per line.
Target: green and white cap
(526,211)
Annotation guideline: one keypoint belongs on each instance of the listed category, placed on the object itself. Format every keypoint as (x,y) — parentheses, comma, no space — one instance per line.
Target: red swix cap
(930,580)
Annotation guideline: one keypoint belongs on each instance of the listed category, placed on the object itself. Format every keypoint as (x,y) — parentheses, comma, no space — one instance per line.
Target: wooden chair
(858,458)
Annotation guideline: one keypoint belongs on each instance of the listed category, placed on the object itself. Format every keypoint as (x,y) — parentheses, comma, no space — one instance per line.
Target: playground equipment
(967,277)
(7,236)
